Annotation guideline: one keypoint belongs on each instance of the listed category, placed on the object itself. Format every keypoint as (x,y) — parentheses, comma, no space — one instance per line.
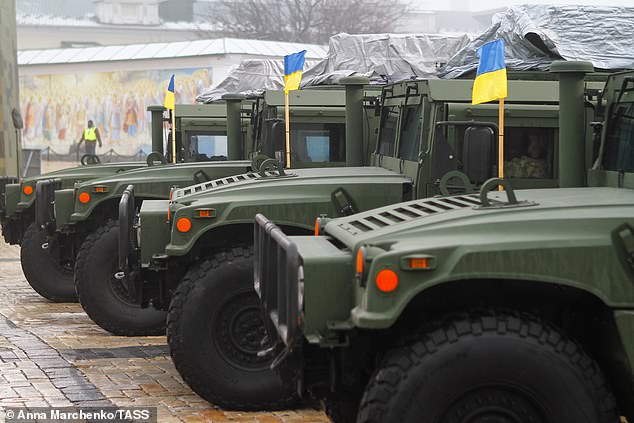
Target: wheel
(106,299)
(214,331)
(489,367)
(42,270)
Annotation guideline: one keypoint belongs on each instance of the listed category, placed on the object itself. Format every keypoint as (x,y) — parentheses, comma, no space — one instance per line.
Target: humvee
(507,306)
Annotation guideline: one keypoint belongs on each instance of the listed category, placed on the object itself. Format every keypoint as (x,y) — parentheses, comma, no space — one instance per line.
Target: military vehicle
(512,306)
(86,216)
(47,260)
(429,135)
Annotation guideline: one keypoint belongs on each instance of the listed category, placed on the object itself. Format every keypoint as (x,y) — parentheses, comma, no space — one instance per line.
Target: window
(410,133)
(387,134)
(206,146)
(318,142)
(619,155)
(529,152)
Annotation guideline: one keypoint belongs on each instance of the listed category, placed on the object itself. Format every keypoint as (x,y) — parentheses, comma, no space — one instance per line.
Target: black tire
(42,271)
(489,367)
(214,330)
(103,297)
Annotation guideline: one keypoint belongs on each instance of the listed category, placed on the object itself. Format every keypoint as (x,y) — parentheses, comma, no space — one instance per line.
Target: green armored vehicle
(429,137)
(48,259)
(86,216)
(505,307)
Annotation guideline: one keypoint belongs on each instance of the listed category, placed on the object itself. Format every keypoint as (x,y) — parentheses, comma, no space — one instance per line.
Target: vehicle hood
(544,213)
(88,172)
(245,183)
(159,173)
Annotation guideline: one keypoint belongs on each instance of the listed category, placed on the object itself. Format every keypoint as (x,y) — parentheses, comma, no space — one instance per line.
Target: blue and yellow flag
(293,68)
(169,95)
(490,82)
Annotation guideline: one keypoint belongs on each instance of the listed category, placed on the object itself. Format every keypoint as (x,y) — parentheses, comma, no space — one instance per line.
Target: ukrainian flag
(169,95)
(293,68)
(490,82)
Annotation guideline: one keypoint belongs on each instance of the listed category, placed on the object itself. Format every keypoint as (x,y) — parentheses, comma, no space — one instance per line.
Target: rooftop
(210,47)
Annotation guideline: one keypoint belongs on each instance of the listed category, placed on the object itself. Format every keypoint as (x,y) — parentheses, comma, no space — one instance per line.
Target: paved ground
(53,355)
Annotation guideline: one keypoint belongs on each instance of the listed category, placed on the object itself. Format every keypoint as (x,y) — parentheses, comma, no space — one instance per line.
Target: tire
(42,271)
(489,367)
(214,303)
(104,298)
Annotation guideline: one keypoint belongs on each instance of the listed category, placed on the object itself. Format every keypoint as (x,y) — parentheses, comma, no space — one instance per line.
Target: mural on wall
(57,107)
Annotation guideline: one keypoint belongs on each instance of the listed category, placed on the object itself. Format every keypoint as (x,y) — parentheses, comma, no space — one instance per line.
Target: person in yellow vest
(91,136)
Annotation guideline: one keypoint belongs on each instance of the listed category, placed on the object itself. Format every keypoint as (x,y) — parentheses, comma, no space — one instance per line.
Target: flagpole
(288,129)
(501,141)
(173,112)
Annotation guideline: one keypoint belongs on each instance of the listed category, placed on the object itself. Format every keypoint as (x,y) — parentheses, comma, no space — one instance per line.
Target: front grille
(45,203)
(404,212)
(277,279)
(205,186)
(127,214)
(4,181)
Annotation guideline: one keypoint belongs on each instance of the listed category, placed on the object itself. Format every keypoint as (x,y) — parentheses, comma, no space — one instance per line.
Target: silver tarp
(249,78)
(381,57)
(535,35)
(384,58)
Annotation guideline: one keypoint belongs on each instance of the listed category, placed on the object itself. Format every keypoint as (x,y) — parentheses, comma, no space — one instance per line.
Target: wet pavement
(53,355)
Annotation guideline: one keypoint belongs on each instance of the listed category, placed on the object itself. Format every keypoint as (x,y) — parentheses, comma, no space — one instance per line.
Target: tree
(310,21)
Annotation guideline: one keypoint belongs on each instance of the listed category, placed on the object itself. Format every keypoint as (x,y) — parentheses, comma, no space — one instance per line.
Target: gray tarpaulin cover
(384,57)
(249,78)
(535,35)
(381,57)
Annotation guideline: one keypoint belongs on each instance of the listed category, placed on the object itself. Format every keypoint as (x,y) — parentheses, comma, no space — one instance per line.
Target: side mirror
(478,153)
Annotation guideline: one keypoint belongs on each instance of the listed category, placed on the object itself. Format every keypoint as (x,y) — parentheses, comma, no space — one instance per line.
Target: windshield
(619,155)
(410,133)
(529,153)
(207,146)
(318,142)
(387,135)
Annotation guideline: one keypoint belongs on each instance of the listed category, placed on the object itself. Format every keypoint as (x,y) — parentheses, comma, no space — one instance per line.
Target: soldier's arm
(98,136)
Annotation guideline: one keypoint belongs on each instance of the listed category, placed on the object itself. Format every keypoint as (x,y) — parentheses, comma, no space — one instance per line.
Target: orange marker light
(317,227)
(418,263)
(387,280)
(360,260)
(27,190)
(204,213)
(183,224)
(84,197)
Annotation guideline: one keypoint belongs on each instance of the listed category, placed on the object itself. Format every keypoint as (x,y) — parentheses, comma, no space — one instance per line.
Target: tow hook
(45,246)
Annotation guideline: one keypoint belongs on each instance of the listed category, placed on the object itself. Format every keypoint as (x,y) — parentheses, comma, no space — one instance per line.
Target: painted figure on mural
(131,116)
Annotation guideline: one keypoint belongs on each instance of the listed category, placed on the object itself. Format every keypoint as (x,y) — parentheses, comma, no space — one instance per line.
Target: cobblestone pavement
(53,355)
